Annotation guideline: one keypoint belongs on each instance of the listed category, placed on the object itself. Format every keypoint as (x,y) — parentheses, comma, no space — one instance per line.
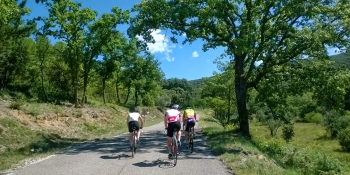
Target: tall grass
(265,155)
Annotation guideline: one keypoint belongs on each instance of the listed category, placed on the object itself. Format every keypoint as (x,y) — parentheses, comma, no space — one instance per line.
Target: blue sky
(180,61)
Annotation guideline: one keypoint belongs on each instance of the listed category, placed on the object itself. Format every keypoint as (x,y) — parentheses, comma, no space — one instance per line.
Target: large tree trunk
(241,87)
(86,76)
(117,91)
(127,96)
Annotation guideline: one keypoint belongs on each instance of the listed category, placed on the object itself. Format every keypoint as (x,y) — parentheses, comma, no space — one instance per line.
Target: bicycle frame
(134,137)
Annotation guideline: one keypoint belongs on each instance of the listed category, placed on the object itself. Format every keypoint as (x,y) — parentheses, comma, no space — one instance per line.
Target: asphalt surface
(113,156)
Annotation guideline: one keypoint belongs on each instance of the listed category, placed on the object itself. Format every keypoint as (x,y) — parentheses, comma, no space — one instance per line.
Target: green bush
(288,132)
(313,117)
(344,139)
(16,104)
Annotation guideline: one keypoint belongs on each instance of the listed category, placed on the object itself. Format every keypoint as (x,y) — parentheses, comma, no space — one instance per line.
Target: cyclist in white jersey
(133,121)
(172,122)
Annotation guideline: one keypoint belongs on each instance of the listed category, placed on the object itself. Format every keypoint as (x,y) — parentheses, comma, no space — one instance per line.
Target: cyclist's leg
(137,125)
(130,132)
(186,131)
(194,124)
(178,127)
(170,131)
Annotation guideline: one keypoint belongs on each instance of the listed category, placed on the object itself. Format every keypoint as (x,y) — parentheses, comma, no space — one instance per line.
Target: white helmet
(175,106)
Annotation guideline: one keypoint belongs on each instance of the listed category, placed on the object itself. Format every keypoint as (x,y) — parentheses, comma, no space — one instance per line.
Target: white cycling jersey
(172,115)
(134,116)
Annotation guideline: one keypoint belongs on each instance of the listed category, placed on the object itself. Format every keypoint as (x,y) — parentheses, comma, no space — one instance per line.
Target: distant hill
(342,60)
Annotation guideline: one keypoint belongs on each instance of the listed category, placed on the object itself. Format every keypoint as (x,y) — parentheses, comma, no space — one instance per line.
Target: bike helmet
(175,106)
(133,109)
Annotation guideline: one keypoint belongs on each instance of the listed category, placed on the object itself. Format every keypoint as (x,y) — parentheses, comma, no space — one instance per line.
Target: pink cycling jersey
(172,115)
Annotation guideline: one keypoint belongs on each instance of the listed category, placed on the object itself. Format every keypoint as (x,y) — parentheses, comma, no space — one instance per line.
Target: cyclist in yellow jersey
(189,120)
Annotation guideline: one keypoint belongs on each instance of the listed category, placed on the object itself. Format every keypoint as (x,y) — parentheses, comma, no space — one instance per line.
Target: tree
(221,87)
(100,33)
(13,30)
(9,8)
(274,32)
(68,21)
(43,47)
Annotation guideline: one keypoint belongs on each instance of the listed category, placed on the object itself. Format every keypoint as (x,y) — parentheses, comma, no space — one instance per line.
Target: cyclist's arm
(127,120)
(141,119)
(165,121)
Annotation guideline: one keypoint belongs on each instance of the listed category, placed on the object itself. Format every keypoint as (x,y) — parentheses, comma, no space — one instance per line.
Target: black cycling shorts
(190,123)
(171,127)
(133,124)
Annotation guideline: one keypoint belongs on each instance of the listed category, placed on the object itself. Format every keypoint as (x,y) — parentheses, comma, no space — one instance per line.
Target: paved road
(112,156)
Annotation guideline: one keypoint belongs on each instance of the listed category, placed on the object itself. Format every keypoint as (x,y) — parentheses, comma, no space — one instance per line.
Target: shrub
(16,104)
(288,132)
(313,117)
(344,139)
(331,119)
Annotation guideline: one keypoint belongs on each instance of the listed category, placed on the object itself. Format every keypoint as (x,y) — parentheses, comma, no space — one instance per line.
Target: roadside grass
(19,140)
(311,138)
(310,151)
(238,153)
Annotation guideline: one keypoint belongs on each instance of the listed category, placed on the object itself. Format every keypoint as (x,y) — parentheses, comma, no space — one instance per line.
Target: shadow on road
(160,163)
(118,148)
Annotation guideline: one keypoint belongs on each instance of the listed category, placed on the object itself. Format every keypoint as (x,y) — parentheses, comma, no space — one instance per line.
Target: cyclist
(171,122)
(133,121)
(189,120)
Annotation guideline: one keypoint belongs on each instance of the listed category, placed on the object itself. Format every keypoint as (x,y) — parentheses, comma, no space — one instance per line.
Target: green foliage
(335,122)
(288,132)
(344,138)
(16,104)
(218,93)
(314,117)
(164,99)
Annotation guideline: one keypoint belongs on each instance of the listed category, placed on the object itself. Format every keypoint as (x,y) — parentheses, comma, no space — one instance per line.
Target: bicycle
(190,143)
(134,144)
(175,146)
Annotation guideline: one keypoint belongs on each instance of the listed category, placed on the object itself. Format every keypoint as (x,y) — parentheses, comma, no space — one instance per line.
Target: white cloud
(257,63)
(180,47)
(195,54)
(184,35)
(161,44)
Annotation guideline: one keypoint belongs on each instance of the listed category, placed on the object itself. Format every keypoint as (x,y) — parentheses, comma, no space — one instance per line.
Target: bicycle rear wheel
(175,151)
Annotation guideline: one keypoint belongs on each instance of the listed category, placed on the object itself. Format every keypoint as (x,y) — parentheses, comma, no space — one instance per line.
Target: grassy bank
(308,153)
(33,130)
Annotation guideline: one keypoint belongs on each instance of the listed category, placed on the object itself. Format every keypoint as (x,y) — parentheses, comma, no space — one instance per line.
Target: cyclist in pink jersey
(171,122)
